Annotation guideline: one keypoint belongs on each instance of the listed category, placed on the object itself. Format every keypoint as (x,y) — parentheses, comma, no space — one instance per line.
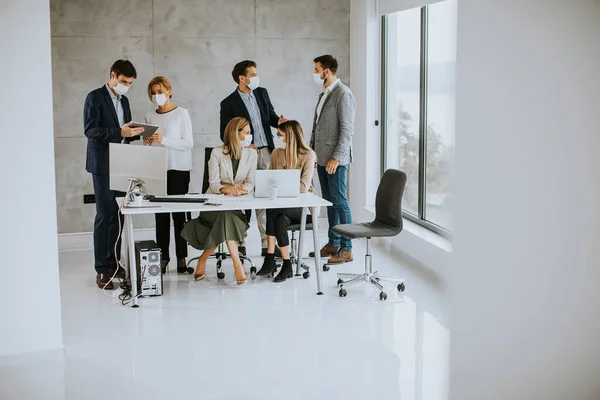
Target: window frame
(420,218)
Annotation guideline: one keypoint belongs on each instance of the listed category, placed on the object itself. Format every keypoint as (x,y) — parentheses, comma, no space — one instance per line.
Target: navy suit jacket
(101,127)
(233,106)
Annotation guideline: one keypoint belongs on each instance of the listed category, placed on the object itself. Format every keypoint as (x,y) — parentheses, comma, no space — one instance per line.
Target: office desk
(228,203)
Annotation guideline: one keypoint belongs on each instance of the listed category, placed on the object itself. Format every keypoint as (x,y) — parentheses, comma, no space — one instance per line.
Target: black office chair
(294,250)
(387,223)
(220,255)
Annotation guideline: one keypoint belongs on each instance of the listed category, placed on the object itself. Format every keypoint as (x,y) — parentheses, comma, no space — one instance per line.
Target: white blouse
(176,128)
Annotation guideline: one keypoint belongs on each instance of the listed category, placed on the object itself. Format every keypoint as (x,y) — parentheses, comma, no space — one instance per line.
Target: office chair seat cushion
(366,230)
(296,227)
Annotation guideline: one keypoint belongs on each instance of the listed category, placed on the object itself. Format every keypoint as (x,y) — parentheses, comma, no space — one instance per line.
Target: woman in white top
(174,133)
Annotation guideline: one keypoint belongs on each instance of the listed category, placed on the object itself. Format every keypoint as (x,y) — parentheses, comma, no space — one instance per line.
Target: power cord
(125,284)
(126,297)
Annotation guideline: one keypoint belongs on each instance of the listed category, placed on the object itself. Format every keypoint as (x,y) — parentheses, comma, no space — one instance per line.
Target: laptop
(286,180)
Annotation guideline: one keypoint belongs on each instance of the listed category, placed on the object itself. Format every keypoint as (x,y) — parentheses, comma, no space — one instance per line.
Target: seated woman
(231,170)
(293,154)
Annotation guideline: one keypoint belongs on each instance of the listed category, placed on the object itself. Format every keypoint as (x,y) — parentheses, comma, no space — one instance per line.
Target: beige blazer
(220,170)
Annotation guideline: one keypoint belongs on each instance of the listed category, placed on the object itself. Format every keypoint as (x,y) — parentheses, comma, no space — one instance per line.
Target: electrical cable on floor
(124,283)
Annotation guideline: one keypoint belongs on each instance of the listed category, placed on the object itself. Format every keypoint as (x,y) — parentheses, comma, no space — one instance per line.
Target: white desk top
(227,203)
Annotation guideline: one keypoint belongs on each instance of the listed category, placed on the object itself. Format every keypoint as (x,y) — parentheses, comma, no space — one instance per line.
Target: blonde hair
(159,80)
(295,145)
(231,141)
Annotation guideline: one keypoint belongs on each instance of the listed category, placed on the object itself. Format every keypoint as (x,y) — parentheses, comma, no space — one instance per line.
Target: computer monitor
(286,181)
(147,164)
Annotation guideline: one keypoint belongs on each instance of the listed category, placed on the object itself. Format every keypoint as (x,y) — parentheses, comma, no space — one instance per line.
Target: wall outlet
(89,199)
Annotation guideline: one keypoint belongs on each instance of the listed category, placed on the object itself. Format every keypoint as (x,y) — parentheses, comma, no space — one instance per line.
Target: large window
(419,58)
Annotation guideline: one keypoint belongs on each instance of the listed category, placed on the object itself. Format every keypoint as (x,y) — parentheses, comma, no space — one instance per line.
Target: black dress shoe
(181,266)
(163,266)
(285,272)
(277,252)
(269,266)
(104,281)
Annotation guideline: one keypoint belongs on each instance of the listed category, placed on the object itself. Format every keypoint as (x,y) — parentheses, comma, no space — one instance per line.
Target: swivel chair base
(368,276)
(294,258)
(220,255)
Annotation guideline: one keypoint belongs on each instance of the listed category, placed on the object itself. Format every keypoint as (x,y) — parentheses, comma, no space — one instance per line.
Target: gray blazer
(332,133)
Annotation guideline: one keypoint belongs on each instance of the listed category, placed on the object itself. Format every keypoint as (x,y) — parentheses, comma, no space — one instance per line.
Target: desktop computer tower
(148,258)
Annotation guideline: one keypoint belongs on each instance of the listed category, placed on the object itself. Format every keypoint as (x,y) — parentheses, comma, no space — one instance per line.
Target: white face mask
(247,141)
(159,99)
(121,89)
(318,80)
(279,143)
(254,83)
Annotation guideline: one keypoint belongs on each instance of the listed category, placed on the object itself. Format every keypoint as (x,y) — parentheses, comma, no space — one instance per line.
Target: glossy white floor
(214,340)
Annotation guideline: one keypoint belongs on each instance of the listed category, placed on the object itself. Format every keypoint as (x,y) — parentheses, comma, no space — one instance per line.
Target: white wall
(30,294)
(525,298)
(364,75)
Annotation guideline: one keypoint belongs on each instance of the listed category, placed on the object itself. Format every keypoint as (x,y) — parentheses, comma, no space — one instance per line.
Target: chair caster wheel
(382,296)
(253,273)
(306,275)
(340,283)
(221,275)
(401,287)
(343,292)
(190,270)
(326,268)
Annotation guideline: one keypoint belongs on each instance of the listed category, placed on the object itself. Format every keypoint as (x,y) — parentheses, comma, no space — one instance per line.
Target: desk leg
(301,241)
(132,263)
(315,216)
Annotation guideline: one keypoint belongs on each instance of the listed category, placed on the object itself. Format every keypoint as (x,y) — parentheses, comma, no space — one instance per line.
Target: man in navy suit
(253,103)
(107,119)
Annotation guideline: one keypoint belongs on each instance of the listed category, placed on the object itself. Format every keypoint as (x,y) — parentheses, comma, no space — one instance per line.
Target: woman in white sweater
(174,133)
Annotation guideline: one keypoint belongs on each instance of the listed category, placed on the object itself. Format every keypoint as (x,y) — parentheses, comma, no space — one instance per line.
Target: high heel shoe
(199,277)
(240,282)
(181,266)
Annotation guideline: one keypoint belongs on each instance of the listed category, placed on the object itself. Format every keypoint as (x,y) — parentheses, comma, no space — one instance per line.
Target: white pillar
(30,295)
(524,284)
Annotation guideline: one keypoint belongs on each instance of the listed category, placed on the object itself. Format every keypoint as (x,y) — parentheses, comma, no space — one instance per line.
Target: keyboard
(154,199)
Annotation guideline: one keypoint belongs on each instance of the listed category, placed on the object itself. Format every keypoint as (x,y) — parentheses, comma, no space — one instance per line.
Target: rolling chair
(387,223)
(294,250)
(220,254)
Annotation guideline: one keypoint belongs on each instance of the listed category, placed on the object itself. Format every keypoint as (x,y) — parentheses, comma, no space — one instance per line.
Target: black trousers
(106,224)
(178,182)
(278,221)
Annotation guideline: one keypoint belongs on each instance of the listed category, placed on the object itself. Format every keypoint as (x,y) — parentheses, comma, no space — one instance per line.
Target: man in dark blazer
(253,103)
(106,119)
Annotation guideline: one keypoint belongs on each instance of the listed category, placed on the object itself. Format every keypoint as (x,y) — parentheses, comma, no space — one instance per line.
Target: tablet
(148,129)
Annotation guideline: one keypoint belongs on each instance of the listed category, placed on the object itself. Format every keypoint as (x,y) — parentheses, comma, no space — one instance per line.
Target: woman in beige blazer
(293,153)
(231,170)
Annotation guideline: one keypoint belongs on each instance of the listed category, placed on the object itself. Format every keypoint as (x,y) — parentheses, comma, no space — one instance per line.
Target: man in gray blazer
(333,128)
